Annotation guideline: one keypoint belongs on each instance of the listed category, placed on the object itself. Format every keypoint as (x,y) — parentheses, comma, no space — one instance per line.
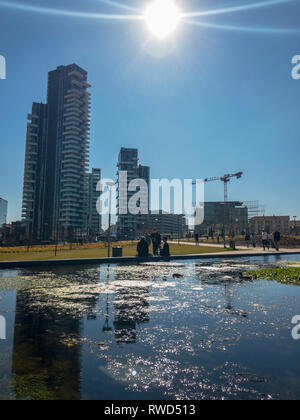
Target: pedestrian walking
(247,240)
(265,240)
(277,238)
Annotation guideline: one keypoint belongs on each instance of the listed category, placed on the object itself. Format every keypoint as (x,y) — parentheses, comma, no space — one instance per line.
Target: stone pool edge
(134,260)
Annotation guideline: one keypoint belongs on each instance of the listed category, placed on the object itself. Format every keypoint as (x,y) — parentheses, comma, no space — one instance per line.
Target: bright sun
(162,18)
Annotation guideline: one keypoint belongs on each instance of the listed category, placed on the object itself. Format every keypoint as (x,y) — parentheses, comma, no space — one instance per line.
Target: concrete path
(240,247)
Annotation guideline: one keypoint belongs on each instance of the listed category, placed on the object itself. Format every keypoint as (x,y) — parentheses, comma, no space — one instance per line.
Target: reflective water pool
(139,332)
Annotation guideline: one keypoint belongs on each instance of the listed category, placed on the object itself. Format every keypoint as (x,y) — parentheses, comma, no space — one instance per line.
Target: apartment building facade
(270,224)
(128,224)
(55,193)
(94,218)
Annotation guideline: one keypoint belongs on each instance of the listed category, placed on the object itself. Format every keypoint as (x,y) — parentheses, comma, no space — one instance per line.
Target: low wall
(133,260)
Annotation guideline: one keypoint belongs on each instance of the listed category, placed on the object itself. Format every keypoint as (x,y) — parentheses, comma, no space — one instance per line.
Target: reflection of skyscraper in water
(43,366)
(131,308)
(47,340)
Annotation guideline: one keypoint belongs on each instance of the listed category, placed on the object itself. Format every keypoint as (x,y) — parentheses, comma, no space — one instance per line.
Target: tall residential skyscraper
(128,224)
(55,197)
(3,211)
(94,218)
(35,169)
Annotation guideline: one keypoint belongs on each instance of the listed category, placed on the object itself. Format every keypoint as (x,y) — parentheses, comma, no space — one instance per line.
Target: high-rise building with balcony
(35,169)
(94,218)
(128,224)
(55,195)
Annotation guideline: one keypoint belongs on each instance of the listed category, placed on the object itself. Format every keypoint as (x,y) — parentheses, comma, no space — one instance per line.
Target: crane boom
(225,178)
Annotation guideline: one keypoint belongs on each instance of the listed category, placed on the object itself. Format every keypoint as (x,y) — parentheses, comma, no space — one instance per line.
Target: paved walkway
(240,248)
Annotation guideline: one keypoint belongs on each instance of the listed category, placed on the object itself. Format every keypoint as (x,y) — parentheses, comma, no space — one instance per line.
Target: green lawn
(128,251)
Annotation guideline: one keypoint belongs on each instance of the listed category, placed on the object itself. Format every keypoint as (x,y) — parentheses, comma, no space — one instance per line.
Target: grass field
(91,251)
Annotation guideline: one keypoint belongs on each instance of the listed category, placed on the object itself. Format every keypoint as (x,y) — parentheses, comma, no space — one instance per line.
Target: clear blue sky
(220,101)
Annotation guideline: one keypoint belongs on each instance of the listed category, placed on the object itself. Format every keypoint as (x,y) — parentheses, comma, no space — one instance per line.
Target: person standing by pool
(265,240)
(143,248)
(277,238)
(165,252)
(156,241)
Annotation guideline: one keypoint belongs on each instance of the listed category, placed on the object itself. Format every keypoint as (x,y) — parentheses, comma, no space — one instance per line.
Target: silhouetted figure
(143,248)
(165,252)
(247,240)
(277,237)
(156,241)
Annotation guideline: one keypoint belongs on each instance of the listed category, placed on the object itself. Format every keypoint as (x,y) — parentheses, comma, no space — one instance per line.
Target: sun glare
(162,18)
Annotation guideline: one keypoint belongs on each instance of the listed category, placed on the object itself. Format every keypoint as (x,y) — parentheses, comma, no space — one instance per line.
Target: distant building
(94,218)
(128,224)
(295,227)
(167,224)
(233,216)
(3,211)
(55,193)
(14,234)
(270,224)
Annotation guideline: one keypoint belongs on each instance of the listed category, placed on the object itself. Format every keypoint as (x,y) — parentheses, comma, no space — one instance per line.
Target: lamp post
(56,242)
(224,224)
(57,231)
(110,185)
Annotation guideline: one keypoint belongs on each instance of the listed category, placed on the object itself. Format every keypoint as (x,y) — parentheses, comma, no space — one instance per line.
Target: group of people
(268,240)
(271,240)
(143,247)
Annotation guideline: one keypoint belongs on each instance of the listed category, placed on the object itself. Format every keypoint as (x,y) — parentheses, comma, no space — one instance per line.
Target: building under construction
(227,217)
(231,217)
